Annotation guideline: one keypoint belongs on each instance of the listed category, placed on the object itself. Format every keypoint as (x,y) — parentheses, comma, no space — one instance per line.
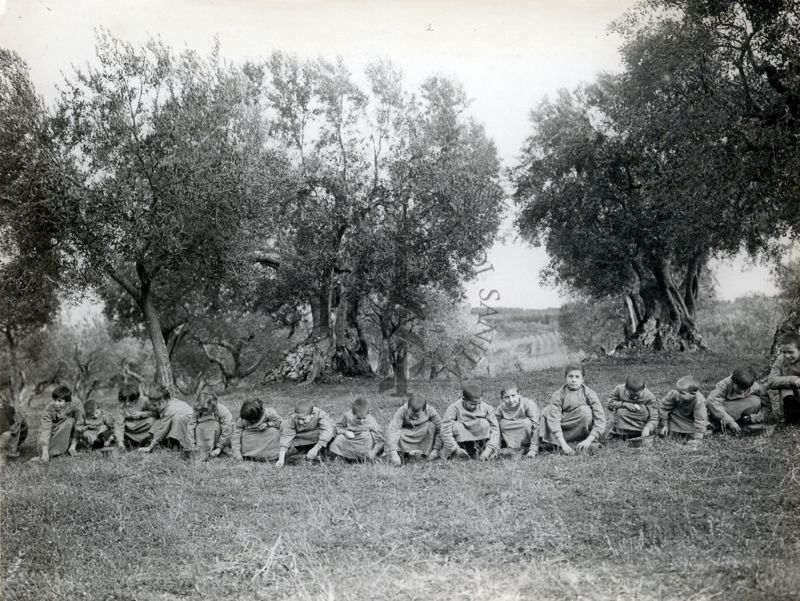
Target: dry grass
(722,522)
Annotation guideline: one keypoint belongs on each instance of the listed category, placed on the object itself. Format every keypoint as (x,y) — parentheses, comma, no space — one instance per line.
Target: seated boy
(574,415)
(785,377)
(469,427)
(13,430)
(97,430)
(133,420)
(308,430)
(683,410)
(415,430)
(257,434)
(172,420)
(518,418)
(739,403)
(210,427)
(58,433)
(358,434)
(634,409)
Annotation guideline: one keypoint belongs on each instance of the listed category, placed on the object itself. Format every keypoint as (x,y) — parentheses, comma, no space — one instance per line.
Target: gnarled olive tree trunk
(661,315)
(336,348)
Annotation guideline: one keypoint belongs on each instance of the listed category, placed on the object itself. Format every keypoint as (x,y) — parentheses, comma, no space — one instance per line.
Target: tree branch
(117,277)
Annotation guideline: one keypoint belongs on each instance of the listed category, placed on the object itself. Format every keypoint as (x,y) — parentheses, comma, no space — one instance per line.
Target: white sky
(507,54)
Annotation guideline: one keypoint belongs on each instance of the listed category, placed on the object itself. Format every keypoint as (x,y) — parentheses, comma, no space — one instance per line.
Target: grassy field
(721,522)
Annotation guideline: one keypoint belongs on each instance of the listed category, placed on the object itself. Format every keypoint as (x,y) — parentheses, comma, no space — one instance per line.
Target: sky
(507,54)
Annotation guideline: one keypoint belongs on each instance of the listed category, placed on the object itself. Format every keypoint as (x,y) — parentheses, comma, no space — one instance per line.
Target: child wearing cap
(133,419)
(97,430)
(634,409)
(358,435)
(210,427)
(739,404)
(574,415)
(415,430)
(257,434)
(58,433)
(518,419)
(683,410)
(171,427)
(308,430)
(469,426)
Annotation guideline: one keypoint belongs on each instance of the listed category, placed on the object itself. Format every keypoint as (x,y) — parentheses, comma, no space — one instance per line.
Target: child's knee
(586,414)
(753,405)
(459,429)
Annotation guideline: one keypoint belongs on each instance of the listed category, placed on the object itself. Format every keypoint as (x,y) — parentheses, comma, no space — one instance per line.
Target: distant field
(721,523)
(514,356)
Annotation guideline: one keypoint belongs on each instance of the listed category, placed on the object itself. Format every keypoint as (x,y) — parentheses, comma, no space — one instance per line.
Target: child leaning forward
(469,426)
(683,411)
(133,419)
(739,404)
(358,435)
(634,409)
(97,429)
(171,427)
(415,430)
(257,434)
(210,427)
(308,430)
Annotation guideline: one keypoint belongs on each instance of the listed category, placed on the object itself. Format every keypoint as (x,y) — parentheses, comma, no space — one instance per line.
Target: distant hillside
(512,322)
(523,340)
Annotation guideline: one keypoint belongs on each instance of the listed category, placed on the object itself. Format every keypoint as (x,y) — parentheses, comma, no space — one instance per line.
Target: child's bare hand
(567,450)
(434,454)
(663,431)
(215,452)
(279,462)
(734,427)
(462,453)
(262,426)
(394,457)
(584,444)
(349,435)
(238,457)
(646,431)
(532,453)
(487,454)
(312,453)
(146,449)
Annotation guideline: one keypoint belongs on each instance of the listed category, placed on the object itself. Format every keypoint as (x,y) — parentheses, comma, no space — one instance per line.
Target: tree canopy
(30,258)
(399,194)
(634,181)
(190,187)
(173,172)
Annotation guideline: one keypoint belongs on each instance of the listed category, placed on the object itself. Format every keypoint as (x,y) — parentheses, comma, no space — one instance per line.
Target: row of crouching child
(573,420)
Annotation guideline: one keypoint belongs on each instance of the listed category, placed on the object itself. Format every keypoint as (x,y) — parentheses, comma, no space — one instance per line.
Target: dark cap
(471,392)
